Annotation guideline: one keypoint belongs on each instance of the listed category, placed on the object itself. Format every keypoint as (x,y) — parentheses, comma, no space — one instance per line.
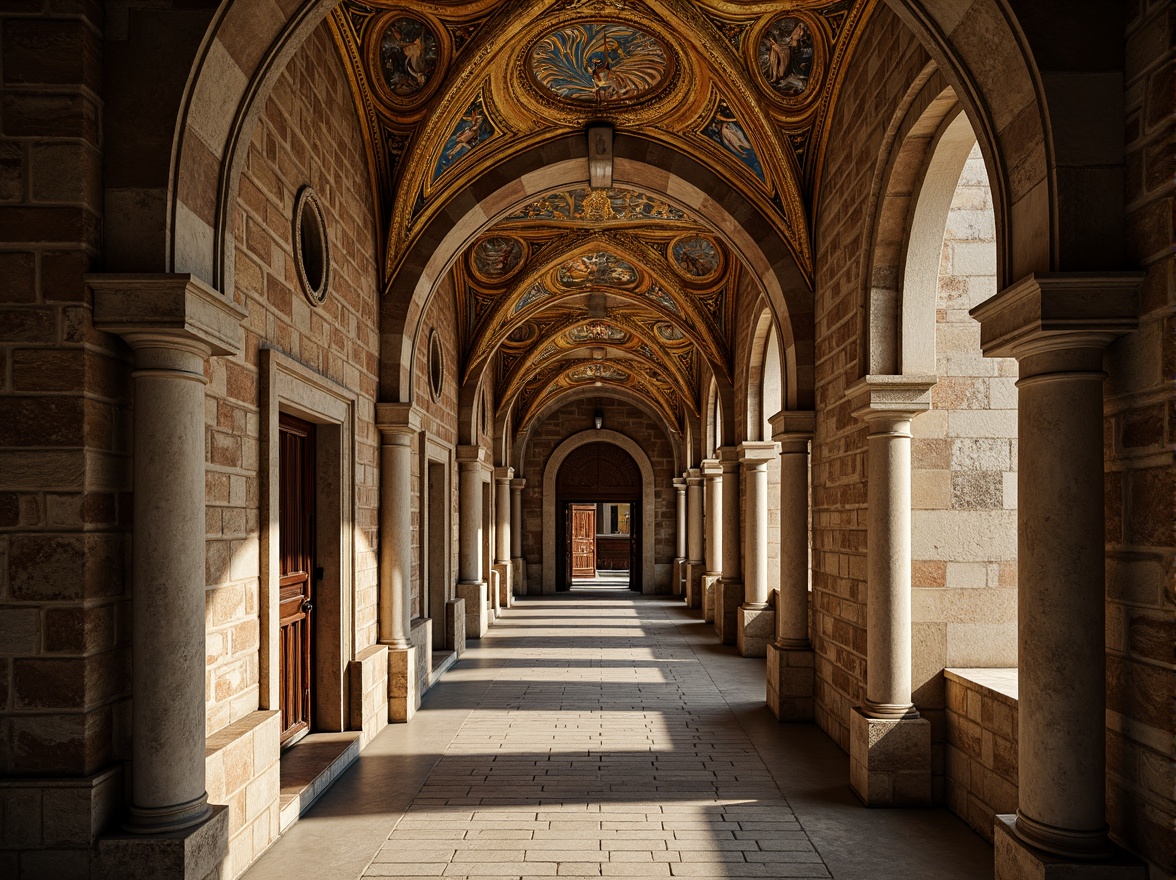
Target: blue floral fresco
(726,131)
(599,63)
(474,128)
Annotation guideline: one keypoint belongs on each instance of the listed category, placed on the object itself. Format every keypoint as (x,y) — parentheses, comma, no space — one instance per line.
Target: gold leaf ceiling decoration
(580,287)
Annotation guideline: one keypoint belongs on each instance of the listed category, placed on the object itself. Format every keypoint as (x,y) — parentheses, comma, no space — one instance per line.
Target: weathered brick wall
(963,475)
(307,134)
(869,96)
(625,419)
(64,450)
(1140,437)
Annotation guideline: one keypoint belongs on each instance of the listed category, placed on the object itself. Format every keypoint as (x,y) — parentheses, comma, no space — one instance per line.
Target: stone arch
(764,352)
(678,440)
(639,164)
(551,471)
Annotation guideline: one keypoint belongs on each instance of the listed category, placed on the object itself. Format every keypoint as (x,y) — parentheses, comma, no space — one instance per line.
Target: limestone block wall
(963,475)
(64,456)
(572,418)
(981,750)
(869,96)
(1140,439)
(307,134)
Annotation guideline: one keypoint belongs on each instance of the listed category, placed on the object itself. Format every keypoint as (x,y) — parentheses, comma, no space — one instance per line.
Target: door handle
(307,606)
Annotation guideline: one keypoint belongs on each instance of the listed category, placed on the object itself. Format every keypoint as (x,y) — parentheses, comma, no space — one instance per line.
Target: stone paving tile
(602,748)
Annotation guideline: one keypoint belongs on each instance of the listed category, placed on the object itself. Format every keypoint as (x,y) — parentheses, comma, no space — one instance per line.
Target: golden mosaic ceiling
(595,287)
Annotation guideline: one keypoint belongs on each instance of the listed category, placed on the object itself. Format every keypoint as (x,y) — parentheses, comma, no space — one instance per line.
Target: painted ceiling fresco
(600,288)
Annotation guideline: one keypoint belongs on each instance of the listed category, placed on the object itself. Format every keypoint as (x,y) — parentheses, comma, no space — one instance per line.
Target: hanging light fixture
(598,419)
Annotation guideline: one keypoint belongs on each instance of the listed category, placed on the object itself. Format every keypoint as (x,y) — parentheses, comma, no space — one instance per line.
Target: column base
(403,690)
(692,588)
(455,626)
(708,597)
(728,598)
(1017,860)
(475,608)
(890,760)
(791,682)
(754,629)
(518,576)
(192,854)
(505,584)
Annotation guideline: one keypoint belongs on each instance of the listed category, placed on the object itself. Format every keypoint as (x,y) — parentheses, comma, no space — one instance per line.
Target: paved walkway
(607,735)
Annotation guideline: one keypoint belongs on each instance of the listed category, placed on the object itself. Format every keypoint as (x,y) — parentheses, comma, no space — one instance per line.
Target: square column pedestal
(1016,860)
(754,629)
(693,585)
(476,618)
(403,690)
(191,854)
(708,597)
(728,598)
(791,681)
(890,760)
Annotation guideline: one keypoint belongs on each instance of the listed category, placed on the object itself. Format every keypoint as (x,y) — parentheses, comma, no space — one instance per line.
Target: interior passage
(593,741)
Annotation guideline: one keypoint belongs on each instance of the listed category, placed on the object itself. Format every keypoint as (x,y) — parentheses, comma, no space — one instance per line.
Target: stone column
(399,428)
(712,473)
(502,478)
(791,663)
(890,745)
(694,562)
(174,324)
(1057,327)
(517,562)
(728,589)
(755,622)
(471,578)
(679,584)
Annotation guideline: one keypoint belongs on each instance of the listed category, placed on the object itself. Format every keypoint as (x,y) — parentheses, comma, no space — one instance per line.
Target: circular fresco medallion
(784,55)
(594,63)
(409,55)
(695,256)
(497,257)
(669,332)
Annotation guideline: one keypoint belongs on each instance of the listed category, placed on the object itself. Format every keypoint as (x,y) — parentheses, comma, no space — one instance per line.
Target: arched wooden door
(591,474)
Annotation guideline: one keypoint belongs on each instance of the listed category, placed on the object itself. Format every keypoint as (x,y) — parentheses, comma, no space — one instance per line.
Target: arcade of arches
(333,333)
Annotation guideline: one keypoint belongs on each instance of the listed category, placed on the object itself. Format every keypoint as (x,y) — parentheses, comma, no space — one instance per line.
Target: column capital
(470,456)
(884,398)
(1059,312)
(729,457)
(397,422)
(711,467)
(518,483)
(757,453)
(792,425)
(694,477)
(167,310)
(679,483)
(503,474)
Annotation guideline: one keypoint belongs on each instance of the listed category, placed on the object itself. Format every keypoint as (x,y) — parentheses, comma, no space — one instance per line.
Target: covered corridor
(606,734)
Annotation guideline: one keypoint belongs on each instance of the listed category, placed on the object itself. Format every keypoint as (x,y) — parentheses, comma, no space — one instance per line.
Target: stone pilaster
(694,517)
(399,426)
(791,663)
(471,578)
(517,562)
(712,475)
(678,585)
(502,535)
(174,324)
(1057,327)
(890,745)
(755,623)
(728,590)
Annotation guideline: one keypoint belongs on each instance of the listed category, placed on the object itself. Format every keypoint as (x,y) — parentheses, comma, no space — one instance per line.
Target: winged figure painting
(598,63)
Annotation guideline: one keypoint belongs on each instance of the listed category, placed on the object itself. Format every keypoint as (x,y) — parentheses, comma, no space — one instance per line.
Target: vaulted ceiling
(613,286)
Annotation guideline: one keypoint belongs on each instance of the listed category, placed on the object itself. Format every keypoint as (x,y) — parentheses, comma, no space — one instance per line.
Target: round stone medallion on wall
(436,365)
(312,255)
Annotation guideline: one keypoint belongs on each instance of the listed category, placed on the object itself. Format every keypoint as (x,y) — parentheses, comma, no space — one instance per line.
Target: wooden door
(296,539)
(583,536)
